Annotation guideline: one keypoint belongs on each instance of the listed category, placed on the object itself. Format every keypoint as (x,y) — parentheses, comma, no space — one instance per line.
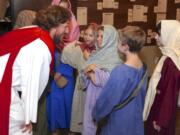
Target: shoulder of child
(118,69)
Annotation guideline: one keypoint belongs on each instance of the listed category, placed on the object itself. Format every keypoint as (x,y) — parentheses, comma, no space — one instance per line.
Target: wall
(150,52)
(17,5)
(3,4)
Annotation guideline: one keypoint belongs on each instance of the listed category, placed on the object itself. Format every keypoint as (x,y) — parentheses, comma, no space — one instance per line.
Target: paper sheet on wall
(145,9)
(108,3)
(99,6)
(155,9)
(162,6)
(82,15)
(177,1)
(149,32)
(160,16)
(3,5)
(138,13)
(108,18)
(178,14)
(145,18)
(153,35)
(130,15)
(116,5)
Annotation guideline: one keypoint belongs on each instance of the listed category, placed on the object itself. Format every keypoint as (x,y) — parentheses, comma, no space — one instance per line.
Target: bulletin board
(121,13)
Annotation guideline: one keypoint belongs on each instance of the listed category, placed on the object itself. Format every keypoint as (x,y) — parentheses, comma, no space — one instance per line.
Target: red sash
(12,42)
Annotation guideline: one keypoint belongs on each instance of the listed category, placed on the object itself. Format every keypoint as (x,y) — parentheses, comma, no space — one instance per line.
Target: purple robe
(163,110)
(93,91)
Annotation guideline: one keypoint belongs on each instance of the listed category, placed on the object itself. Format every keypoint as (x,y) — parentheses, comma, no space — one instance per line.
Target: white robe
(30,76)
(73,56)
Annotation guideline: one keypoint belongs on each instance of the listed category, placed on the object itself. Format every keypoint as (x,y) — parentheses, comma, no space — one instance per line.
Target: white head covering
(170,38)
(106,57)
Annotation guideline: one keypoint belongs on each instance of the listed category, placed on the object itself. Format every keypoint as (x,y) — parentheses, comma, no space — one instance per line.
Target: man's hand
(27,128)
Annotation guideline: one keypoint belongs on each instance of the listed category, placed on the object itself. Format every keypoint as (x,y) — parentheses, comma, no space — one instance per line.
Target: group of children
(100,75)
(104,84)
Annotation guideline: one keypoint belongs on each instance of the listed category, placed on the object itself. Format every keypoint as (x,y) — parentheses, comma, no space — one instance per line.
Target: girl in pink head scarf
(74,31)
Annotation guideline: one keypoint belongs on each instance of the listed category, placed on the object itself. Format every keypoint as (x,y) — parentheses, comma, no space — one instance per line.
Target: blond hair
(25,18)
(134,37)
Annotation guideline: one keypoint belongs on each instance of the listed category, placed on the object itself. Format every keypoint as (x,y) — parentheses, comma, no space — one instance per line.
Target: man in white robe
(29,68)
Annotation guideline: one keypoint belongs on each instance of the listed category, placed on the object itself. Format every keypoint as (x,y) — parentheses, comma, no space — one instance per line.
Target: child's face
(122,47)
(64,4)
(89,37)
(158,40)
(100,38)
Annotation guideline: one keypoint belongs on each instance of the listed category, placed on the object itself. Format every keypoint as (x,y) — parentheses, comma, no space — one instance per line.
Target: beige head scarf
(25,18)
(170,36)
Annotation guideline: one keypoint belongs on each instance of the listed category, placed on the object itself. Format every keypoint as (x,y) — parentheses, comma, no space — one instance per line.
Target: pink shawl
(74,27)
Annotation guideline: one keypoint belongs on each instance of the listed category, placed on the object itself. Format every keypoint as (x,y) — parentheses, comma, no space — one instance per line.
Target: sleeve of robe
(110,96)
(101,77)
(168,86)
(73,56)
(84,81)
(34,77)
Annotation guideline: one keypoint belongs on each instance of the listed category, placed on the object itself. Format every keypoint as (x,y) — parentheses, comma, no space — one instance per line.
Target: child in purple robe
(76,54)
(96,72)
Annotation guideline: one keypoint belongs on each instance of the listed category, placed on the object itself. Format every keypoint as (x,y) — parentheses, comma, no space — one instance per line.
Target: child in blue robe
(123,80)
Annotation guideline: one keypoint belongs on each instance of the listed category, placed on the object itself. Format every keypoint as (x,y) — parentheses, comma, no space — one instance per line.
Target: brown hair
(158,28)
(134,37)
(100,28)
(52,17)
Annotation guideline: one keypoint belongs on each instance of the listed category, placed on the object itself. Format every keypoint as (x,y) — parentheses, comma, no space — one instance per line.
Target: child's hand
(86,54)
(91,75)
(156,127)
(57,76)
(90,68)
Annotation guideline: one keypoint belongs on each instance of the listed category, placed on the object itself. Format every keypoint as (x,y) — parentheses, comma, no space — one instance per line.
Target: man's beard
(57,39)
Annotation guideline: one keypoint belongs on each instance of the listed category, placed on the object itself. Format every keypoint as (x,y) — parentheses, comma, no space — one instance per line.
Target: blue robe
(59,100)
(128,120)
